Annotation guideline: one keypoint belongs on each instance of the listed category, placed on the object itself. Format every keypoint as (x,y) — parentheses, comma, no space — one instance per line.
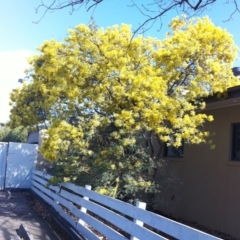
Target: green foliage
(18,134)
(125,172)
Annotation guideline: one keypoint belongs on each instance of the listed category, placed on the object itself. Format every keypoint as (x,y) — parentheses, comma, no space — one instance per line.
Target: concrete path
(14,212)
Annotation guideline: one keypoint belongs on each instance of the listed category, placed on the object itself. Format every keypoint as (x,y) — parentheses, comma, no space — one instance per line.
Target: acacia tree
(151,10)
(99,91)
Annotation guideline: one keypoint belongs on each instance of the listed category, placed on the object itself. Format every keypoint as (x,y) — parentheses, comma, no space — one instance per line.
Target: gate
(3,162)
(16,163)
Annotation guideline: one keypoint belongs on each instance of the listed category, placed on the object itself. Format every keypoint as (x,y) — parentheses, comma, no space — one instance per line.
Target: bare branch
(154,18)
(58,5)
(152,10)
(235,10)
(46,10)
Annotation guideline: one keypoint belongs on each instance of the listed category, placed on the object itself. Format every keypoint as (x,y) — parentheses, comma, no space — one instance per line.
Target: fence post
(82,208)
(56,203)
(141,205)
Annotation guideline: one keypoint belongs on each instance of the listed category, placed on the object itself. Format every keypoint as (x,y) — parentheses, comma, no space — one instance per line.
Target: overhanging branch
(151,10)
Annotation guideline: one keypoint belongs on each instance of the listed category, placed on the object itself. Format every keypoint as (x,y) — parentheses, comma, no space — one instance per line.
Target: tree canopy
(18,134)
(98,91)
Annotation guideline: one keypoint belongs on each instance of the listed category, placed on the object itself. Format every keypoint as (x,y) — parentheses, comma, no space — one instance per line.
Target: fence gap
(82,208)
(141,205)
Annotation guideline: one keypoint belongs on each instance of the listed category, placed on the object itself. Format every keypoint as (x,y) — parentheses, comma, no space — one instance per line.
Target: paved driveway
(14,212)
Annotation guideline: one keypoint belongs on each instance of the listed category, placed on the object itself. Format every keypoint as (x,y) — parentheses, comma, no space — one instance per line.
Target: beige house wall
(207,189)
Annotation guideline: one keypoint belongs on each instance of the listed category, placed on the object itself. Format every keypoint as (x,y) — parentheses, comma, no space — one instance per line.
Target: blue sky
(20,36)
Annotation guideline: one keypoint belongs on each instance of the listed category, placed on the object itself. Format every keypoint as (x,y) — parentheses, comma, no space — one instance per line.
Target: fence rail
(95,215)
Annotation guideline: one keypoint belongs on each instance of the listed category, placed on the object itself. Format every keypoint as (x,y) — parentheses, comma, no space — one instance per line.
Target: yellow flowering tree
(98,91)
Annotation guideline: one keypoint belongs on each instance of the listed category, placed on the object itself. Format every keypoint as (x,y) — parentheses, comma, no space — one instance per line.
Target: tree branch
(235,10)
(151,10)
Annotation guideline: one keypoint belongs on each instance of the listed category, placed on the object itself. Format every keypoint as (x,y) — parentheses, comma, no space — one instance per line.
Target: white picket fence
(90,214)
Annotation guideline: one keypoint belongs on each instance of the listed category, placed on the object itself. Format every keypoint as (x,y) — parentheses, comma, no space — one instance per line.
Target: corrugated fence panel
(21,161)
(3,163)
